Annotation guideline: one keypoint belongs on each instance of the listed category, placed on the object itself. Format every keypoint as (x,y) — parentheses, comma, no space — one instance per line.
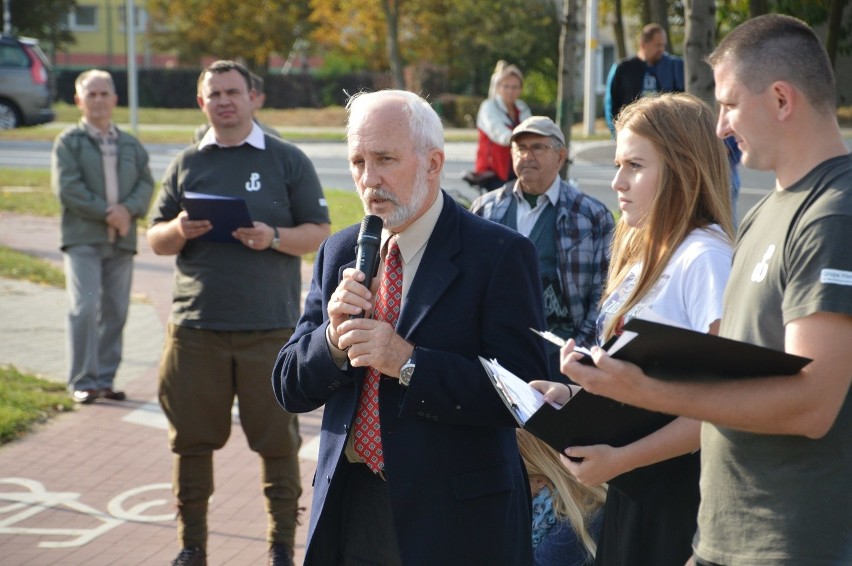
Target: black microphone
(369,242)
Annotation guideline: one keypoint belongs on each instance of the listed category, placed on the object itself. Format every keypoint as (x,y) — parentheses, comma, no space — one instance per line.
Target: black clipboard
(679,354)
(586,419)
(225,213)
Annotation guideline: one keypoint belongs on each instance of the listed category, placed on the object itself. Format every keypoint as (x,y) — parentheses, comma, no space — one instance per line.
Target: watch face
(405,374)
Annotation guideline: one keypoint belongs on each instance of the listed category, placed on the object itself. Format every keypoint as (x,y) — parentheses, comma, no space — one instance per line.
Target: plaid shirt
(584,228)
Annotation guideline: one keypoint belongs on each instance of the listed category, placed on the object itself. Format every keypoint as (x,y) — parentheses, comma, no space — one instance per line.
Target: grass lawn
(26,400)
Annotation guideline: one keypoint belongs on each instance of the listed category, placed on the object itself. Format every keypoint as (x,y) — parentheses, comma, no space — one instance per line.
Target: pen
(550,337)
(554,339)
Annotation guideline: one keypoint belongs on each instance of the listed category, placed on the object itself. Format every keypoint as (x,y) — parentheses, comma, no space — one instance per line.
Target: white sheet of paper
(523,397)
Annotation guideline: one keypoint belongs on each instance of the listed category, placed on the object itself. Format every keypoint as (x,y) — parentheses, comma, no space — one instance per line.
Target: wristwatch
(406,371)
(276,239)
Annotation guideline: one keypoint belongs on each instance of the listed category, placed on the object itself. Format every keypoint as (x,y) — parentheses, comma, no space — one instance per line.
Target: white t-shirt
(689,291)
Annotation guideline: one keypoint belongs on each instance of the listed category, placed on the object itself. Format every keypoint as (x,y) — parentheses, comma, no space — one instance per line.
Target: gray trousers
(97,279)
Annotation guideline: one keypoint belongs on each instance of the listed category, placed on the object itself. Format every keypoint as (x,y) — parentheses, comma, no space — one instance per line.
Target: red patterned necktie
(368,439)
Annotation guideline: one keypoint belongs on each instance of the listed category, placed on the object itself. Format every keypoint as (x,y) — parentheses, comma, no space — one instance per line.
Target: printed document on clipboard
(521,399)
(586,419)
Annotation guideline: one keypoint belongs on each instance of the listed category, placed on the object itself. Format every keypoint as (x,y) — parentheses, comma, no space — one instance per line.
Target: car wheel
(8,115)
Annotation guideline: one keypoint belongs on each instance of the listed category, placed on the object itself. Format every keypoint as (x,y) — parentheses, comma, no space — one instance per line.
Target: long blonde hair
(572,501)
(694,190)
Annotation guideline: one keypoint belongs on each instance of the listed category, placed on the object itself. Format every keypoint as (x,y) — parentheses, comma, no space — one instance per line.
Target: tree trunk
(391,10)
(567,65)
(699,41)
(647,14)
(660,14)
(618,30)
(835,19)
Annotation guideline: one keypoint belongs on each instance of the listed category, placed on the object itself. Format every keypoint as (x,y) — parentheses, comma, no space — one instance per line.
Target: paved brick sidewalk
(92,487)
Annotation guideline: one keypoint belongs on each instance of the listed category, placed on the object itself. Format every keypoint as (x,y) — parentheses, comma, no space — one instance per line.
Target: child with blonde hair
(566,514)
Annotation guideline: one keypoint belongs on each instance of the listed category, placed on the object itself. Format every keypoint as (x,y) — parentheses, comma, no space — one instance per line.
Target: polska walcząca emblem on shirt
(253,184)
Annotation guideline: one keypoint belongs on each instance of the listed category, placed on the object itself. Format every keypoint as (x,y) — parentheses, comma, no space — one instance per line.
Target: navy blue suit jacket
(458,490)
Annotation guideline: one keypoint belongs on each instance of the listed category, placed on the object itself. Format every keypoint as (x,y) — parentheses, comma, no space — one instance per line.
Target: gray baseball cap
(541,125)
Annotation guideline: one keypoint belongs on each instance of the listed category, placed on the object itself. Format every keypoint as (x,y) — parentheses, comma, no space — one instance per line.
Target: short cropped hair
(649,31)
(776,47)
(223,66)
(90,74)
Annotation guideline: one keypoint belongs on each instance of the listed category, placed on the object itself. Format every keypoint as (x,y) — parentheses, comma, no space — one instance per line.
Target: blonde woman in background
(497,117)
(567,515)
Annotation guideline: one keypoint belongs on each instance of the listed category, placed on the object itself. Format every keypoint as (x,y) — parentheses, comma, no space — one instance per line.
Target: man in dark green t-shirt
(776,452)
(234,304)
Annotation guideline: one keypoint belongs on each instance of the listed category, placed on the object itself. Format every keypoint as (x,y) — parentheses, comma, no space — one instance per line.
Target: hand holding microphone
(369,241)
(351,300)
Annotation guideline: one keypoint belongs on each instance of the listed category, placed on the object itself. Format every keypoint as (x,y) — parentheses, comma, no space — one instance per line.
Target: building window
(604,60)
(140,18)
(82,18)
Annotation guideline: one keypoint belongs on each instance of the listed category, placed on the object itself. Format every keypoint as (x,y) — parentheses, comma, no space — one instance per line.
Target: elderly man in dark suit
(418,461)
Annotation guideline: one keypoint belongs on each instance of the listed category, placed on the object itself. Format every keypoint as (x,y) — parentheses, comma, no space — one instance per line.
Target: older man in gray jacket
(104,185)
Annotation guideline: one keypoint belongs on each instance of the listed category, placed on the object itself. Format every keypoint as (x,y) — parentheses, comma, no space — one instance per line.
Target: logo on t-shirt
(835,277)
(762,267)
(253,183)
(650,84)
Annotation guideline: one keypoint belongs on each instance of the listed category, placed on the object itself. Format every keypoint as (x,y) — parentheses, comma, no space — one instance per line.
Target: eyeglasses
(537,150)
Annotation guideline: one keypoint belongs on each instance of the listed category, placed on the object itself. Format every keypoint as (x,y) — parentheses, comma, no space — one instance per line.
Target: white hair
(426,129)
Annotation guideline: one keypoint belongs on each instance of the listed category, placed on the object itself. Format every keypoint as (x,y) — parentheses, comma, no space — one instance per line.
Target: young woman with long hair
(670,261)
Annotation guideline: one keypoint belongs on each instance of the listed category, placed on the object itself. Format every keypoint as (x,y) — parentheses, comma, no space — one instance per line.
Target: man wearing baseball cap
(570,229)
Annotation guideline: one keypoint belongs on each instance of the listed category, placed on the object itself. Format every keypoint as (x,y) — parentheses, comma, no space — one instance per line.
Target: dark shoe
(85,396)
(280,554)
(191,556)
(108,393)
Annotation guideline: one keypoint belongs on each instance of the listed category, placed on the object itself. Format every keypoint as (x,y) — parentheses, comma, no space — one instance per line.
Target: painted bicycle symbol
(26,498)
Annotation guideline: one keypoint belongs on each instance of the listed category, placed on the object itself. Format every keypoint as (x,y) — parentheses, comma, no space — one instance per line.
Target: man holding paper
(234,304)
(776,451)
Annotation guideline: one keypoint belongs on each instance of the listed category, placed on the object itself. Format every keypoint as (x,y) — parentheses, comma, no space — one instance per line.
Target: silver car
(25,88)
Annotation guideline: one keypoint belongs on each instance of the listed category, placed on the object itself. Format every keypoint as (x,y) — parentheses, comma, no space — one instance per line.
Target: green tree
(245,30)
(41,19)
(465,37)
(835,14)
(470,36)
(350,32)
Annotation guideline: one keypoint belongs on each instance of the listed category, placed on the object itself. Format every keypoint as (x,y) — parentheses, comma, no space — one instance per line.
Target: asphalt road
(592,167)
